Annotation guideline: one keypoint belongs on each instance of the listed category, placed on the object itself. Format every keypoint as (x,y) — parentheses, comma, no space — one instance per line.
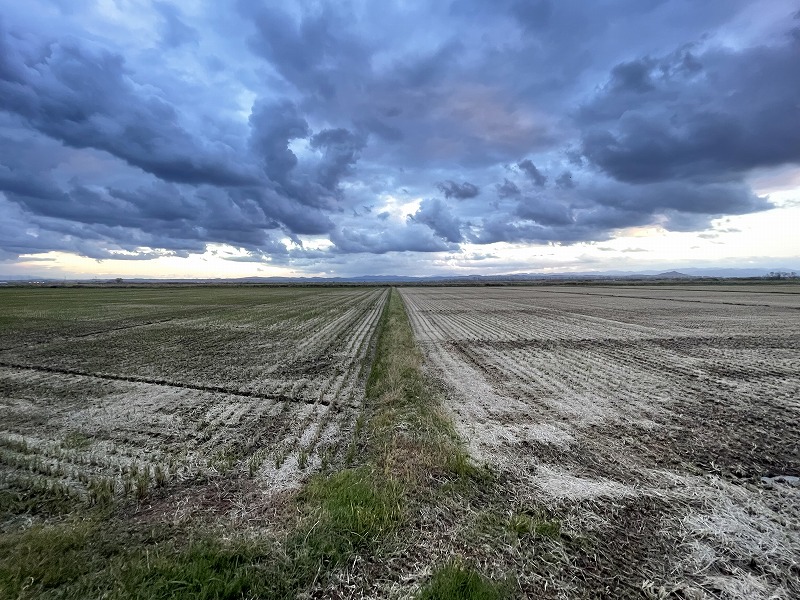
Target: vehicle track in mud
(587,399)
(167,383)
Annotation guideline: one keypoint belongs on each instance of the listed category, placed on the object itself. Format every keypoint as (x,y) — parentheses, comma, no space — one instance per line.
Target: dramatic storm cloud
(314,135)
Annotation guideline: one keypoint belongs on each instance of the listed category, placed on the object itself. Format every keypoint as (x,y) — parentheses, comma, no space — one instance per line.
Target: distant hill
(686,273)
(672,275)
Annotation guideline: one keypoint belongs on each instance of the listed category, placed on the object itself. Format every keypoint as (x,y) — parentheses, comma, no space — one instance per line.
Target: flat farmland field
(661,423)
(111,393)
(570,441)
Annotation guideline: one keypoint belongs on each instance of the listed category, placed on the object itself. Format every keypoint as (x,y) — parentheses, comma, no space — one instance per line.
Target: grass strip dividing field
(408,435)
(402,443)
(405,445)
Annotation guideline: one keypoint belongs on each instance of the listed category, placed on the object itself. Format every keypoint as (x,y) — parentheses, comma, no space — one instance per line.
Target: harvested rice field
(323,442)
(660,424)
(119,391)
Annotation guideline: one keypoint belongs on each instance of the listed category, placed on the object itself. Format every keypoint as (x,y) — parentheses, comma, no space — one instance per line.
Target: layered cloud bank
(301,135)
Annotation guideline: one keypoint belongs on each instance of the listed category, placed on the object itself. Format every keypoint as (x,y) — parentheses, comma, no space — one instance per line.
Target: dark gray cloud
(341,150)
(158,212)
(504,228)
(534,15)
(700,115)
(534,174)
(460,191)
(83,96)
(543,212)
(595,214)
(437,215)
(272,127)
(410,238)
(314,52)
(574,157)
(359,65)
(313,183)
(565,180)
(174,31)
(685,197)
(296,217)
(173,214)
(507,189)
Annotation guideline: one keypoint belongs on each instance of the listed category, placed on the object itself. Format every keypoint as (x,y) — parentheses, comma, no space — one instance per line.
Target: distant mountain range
(687,273)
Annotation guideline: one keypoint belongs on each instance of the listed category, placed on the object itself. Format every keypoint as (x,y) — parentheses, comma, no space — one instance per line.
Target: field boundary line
(671,299)
(175,384)
(724,341)
(693,289)
(89,334)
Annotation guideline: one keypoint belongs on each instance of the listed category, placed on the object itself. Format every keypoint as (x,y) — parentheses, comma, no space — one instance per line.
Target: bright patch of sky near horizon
(145,138)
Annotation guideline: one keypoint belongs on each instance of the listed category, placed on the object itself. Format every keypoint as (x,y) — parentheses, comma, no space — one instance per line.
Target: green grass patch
(534,524)
(102,558)
(43,557)
(460,464)
(356,508)
(24,497)
(457,581)
(75,440)
(347,513)
(98,553)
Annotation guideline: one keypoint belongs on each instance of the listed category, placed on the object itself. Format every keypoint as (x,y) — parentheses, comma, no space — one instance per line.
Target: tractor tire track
(172,384)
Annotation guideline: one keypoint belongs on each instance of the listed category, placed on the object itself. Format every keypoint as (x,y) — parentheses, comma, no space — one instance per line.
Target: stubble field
(623,441)
(660,424)
(110,393)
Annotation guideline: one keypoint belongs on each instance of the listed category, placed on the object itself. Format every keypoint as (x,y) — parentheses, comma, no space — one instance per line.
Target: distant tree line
(781,275)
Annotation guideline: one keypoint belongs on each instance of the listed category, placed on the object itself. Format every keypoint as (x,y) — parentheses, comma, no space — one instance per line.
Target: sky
(202,139)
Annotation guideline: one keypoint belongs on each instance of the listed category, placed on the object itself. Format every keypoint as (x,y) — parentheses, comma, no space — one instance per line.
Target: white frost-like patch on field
(133,403)
(737,527)
(560,484)
(585,410)
(287,476)
(544,433)
(476,403)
